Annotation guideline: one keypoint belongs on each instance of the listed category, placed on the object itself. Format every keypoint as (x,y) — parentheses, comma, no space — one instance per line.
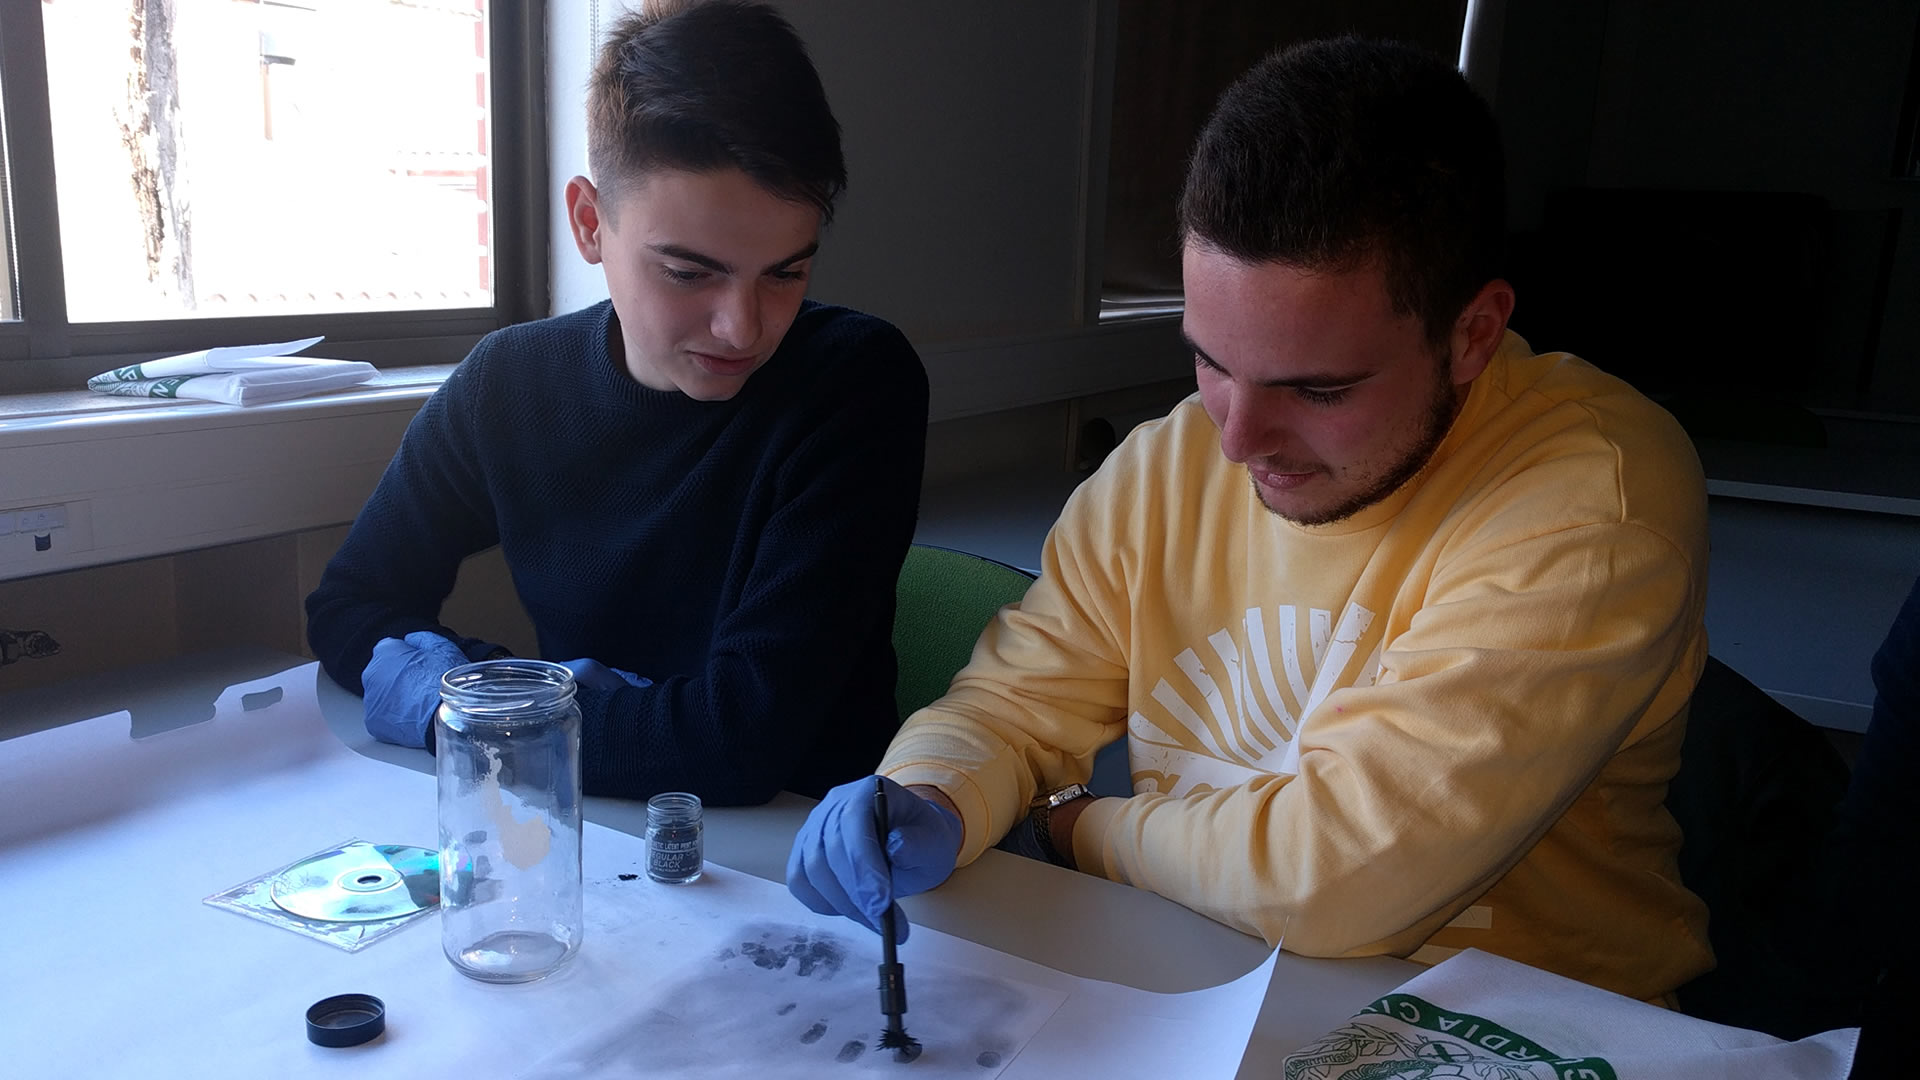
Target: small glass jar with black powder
(675,849)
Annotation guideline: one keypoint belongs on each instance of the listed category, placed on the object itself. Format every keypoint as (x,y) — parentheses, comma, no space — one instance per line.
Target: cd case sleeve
(414,894)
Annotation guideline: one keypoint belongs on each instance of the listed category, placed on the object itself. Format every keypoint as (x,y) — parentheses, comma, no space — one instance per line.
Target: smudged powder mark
(815,1033)
(727,954)
(851,1051)
(803,955)
(987,1059)
(787,1008)
(907,1053)
(825,955)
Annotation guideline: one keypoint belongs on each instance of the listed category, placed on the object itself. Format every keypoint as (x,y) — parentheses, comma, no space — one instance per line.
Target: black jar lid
(345,1020)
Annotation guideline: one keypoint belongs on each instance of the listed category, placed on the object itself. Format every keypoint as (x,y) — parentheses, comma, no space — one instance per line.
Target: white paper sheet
(224,358)
(1496,1019)
(235,374)
(108,844)
(773,998)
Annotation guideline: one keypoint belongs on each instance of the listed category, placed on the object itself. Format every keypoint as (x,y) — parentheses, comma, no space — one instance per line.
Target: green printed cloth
(235,375)
(1482,1017)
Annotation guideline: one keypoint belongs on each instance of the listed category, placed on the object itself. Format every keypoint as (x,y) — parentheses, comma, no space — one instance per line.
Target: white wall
(969,149)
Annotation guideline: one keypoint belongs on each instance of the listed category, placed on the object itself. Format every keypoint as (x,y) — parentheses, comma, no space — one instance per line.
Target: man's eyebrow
(686,254)
(1312,380)
(798,256)
(675,251)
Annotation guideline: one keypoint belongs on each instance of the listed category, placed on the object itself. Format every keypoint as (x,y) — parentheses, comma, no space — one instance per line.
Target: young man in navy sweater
(705,486)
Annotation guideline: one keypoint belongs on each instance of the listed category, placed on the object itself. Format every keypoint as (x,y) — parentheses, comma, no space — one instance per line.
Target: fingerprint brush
(893,977)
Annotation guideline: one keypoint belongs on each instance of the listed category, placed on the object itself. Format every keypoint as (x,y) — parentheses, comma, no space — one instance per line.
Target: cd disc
(360,882)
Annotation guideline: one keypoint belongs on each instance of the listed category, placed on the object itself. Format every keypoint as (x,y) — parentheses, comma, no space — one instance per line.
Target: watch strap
(1024,840)
(1041,815)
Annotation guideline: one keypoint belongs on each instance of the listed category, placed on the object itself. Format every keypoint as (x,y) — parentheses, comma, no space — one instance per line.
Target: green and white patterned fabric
(1477,1016)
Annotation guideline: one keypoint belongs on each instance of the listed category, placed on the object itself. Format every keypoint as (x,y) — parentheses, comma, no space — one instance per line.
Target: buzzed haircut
(710,85)
(1336,154)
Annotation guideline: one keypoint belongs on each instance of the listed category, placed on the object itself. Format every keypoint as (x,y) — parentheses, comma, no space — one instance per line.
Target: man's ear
(584,218)
(1478,330)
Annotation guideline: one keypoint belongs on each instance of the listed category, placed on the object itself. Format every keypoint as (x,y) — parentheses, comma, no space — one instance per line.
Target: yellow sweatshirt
(1446,722)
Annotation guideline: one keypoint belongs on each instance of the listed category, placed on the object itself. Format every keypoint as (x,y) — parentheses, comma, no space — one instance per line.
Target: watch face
(1063,795)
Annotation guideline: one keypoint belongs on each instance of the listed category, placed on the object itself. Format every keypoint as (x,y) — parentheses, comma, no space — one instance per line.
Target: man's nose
(1248,432)
(736,322)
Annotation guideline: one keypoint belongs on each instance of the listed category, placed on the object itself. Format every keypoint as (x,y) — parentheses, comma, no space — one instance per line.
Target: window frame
(44,350)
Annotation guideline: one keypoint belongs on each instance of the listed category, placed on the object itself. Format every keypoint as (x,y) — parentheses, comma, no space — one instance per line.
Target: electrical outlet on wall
(37,539)
(40,519)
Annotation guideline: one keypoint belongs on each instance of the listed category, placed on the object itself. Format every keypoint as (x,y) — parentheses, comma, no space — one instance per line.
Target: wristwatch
(1041,811)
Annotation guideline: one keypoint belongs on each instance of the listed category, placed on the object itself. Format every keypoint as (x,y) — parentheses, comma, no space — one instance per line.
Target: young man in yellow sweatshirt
(1400,618)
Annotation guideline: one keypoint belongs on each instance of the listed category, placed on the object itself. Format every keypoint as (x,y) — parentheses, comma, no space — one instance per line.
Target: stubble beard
(1438,421)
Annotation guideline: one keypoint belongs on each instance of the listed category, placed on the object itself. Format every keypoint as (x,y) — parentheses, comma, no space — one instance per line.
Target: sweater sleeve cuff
(976,818)
(1090,831)
(477,650)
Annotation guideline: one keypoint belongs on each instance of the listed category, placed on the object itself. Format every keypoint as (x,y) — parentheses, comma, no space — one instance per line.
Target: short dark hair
(1335,154)
(713,85)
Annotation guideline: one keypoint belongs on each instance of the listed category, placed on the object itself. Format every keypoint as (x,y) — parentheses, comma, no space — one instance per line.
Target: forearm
(1045,691)
(342,630)
(400,559)
(1402,811)
(787,707)
(677,735)
(936,796)
(350,612)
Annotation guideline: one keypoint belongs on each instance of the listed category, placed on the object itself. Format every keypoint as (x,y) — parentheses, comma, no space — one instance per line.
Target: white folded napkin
(1488,1018)
(234,374)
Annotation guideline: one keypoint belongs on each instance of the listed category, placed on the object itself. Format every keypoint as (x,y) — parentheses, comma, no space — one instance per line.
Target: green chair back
(944,600)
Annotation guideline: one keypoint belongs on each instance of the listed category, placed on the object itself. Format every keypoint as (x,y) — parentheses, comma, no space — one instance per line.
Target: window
(9,306)
(190,173)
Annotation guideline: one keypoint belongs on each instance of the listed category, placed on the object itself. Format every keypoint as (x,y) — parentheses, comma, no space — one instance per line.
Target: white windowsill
(66,409)
(134,478)
(137,478)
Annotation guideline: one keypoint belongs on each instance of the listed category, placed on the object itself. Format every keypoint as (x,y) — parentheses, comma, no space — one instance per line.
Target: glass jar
(508,757)
(675,844)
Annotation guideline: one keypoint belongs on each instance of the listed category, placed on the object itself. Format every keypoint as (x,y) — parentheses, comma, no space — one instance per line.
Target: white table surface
(1072,922)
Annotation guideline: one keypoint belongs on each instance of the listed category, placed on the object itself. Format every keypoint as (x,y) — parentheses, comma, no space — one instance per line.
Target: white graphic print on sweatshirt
(1238,711)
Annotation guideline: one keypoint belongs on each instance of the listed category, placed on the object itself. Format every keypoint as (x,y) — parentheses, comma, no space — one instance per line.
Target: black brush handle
(893,978)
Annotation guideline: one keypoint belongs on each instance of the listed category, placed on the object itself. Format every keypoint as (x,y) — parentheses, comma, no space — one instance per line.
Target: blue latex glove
(402,684)
(837,867)
(598,676)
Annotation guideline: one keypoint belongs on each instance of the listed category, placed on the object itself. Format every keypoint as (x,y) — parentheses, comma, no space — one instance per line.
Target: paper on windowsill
(235,375)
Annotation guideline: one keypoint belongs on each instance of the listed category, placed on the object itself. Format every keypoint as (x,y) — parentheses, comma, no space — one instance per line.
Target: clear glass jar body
(507,747)
(675,839)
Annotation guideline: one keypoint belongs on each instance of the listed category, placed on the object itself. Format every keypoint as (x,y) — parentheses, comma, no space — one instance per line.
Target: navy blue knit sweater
(742,554)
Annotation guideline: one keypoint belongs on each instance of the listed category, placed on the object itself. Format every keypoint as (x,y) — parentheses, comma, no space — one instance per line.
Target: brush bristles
(904,1046)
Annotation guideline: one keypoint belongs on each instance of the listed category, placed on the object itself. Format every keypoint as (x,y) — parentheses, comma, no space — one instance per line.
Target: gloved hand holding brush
(838,867)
